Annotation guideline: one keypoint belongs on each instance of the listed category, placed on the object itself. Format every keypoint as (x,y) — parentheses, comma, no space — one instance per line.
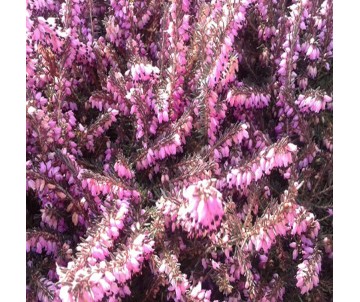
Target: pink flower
(202,209)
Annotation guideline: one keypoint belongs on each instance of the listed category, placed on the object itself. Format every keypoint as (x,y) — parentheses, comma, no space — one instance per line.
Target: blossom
(202,209)
(167,144)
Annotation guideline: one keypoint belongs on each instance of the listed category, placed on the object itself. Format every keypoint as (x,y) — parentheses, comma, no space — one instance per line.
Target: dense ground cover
(179,150)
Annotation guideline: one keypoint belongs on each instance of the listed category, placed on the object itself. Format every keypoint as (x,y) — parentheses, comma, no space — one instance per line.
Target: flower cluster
(101,279)
(278,155)
(312,102)
(198,209)
(39,240)
(308,273)
(179,150)
(248,97)
(177,282)
(202,209)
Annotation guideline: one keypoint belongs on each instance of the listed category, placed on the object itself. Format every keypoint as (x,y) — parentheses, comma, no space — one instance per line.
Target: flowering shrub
(179,150)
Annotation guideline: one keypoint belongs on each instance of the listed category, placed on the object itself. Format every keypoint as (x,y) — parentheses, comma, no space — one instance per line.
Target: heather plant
(179,150)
